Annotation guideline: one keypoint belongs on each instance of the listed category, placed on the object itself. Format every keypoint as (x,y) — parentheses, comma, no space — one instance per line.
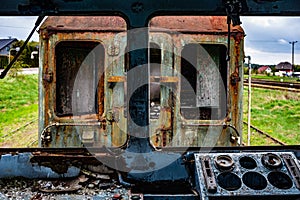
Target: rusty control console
(207,174)
(263,174)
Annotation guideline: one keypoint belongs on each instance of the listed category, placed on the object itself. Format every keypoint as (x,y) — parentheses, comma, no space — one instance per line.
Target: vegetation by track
(18,110)
(276,113)
(284,79)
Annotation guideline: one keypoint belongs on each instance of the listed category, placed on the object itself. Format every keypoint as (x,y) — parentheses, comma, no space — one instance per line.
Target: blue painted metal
(19,165)
(156,167)
(135,9)
(171,197)
(137,89)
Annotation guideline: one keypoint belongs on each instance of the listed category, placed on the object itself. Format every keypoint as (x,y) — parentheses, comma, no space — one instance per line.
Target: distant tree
(3,61)
(25,58)
(296,68)
(246,70)
(253,65)
(272,68)
(255,71)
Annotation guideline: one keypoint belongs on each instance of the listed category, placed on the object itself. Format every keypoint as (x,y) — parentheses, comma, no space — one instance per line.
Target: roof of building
(5,42)
(263,68)
(284,66)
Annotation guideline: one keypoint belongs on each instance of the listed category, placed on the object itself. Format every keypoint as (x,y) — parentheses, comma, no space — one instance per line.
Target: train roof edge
(205,24)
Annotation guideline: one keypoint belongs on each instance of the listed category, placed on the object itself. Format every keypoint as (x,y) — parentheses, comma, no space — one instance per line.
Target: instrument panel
(241,175)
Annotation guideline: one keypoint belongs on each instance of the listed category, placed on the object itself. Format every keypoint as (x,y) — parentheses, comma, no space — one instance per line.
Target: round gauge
(224,162)
(271,161)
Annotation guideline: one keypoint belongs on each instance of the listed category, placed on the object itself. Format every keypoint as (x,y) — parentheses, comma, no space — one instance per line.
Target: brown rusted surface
(84,23)
(169,126)
(114,79)
(101,93)
(112,23)
(163,134)
(164,79)
(236,77)
(196,24)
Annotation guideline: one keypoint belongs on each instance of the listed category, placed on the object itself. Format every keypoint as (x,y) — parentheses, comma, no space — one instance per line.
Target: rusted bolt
(137,7)
(234,79)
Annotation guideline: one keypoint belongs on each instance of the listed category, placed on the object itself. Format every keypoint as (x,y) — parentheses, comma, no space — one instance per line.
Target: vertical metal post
(293,46)
(249,102)
(138,91)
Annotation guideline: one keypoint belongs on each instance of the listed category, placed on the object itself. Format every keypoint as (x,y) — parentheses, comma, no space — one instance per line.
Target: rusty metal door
(162,87)
(116,111)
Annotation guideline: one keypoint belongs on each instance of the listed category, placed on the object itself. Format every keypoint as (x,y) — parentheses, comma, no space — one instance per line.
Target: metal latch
(234,79)
(88,137)
(48,76)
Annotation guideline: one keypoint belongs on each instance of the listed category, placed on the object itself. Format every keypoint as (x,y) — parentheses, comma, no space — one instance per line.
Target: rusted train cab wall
(195,96)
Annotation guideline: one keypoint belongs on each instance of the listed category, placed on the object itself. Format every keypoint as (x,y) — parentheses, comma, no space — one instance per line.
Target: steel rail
(266,134)
(277,83)
(273,87)
(19,128)
(274,83)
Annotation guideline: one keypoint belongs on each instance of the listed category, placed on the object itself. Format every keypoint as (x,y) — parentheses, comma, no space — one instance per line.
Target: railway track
(274,85)
(275,140)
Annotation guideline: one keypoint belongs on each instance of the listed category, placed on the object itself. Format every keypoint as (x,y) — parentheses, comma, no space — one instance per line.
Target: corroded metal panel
(161,128)
(78,69)
(196,24)
(189,127)
(171,127)
(235,83)
(20,165)
(70,129)
(84,23)
(192,24)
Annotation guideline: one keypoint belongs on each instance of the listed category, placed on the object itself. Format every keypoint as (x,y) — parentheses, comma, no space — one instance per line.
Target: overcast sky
(267,40)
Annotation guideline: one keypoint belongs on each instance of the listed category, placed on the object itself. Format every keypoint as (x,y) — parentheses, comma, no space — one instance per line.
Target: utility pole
(293,44)
(249,102)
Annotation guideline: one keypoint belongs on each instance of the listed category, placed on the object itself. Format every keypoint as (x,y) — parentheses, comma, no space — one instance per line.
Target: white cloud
(267,38)
(260,21)
(268,58)
(283,41)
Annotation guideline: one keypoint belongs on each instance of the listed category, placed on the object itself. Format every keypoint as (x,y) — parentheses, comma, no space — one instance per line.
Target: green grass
(18,106)
(276,113)
(274,78)
(18,91)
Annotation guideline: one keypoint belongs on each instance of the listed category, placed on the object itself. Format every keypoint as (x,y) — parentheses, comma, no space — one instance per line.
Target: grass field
(18,110)
(274,78)
(274,112)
